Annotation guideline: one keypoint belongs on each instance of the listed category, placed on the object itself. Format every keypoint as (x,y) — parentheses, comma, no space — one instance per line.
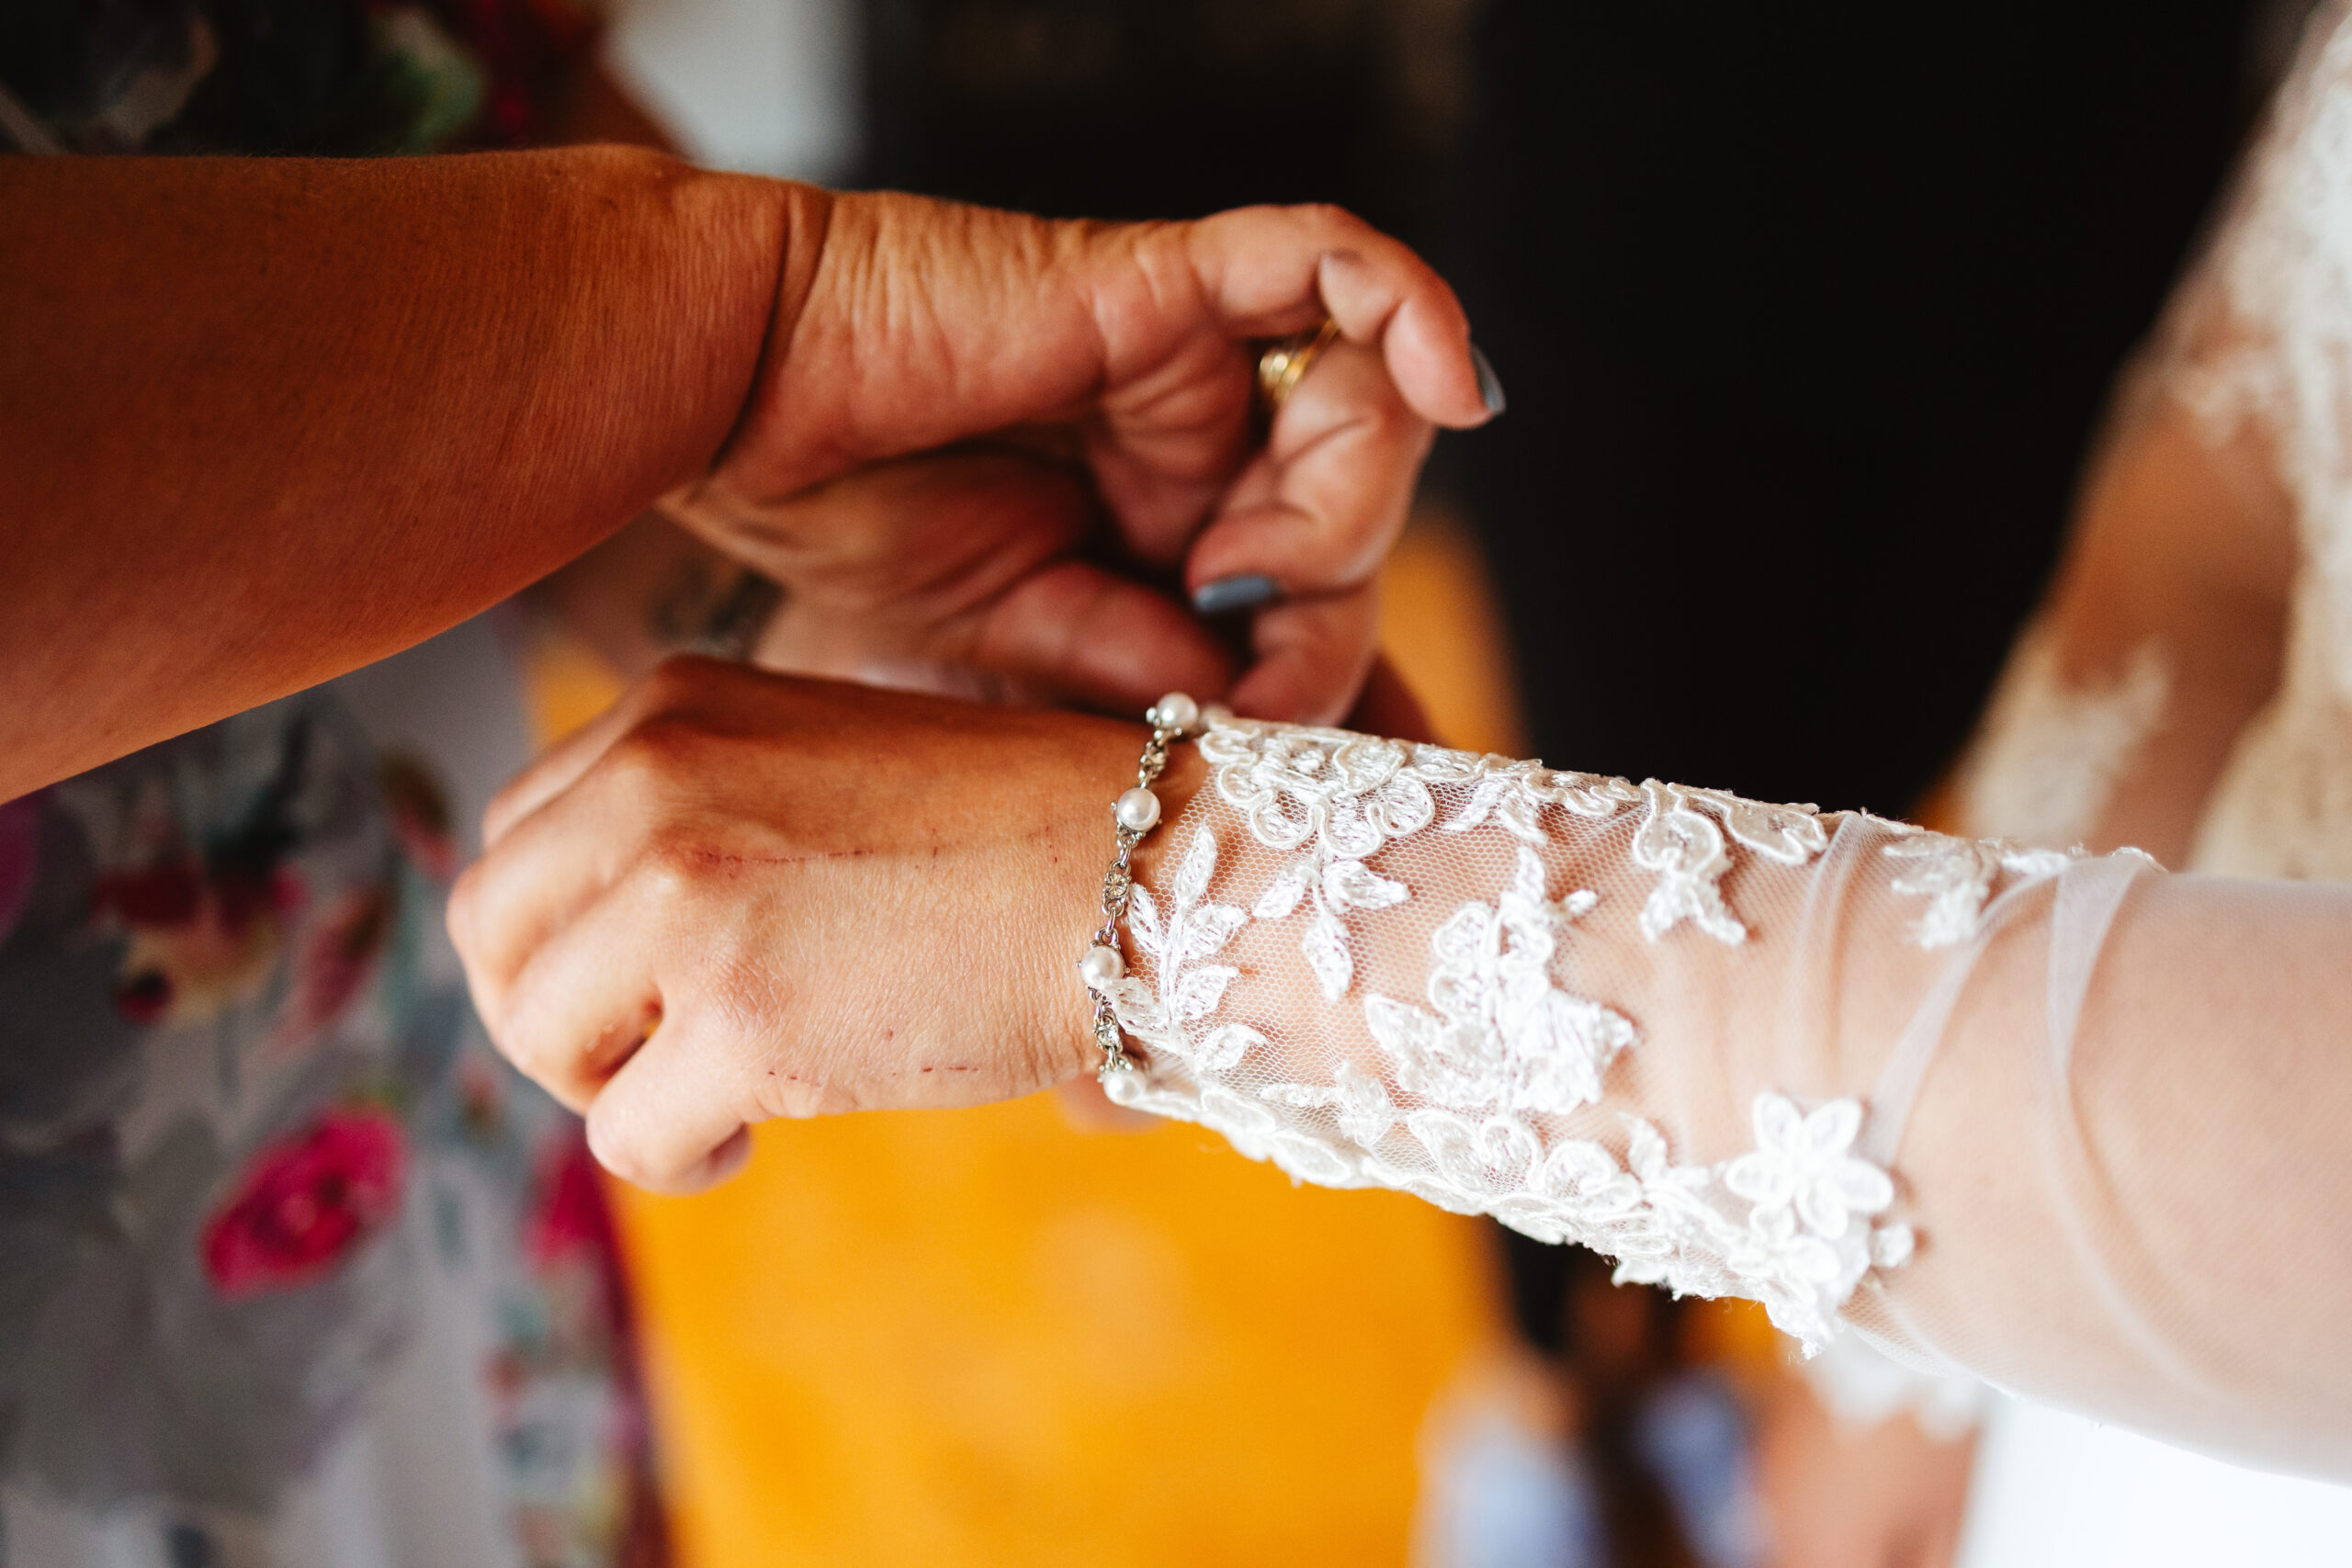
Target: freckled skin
(747,891)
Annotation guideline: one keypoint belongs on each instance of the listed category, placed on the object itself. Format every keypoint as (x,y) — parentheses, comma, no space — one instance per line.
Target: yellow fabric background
(986,1336)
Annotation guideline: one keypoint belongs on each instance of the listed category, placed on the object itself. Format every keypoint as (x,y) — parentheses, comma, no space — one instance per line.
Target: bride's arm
(1695,1032)
(2160,638)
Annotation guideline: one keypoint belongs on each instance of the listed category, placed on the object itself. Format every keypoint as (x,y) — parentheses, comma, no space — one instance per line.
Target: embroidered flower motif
(1955,876)
(1454,1112)
(1365,1112)
(1256,1133)
(305,1202)
(1504,1038)
(1680,842)
(1806,1161)
(1349,794)
(1578,1191)
(1478,1163)
(1188,990)
(1514,795)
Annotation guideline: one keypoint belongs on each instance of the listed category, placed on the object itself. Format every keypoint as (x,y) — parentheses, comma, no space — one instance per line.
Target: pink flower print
(198,943)
(333,962)
(306,1202)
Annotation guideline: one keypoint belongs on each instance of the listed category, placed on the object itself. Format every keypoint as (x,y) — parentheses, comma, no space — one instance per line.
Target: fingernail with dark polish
(1490,386)
(1226,595)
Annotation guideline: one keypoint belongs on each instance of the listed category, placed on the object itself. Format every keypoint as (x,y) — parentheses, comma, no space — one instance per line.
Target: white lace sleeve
(1689,1031)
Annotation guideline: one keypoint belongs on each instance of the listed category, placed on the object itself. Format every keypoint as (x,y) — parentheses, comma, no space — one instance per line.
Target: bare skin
(267,421)
(2192,549)
(736,947)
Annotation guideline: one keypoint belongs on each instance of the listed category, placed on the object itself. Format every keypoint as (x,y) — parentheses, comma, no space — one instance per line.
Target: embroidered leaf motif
(1200,862)
(1347,884)
(1143,920)
(1955,876)
(1222,1049)
(1326,946)
(1209,928)
(1467,1099)
(1281,894)
(1199,991)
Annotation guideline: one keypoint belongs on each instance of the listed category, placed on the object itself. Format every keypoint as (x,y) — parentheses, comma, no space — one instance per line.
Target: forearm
(267,420)
(1697,1033)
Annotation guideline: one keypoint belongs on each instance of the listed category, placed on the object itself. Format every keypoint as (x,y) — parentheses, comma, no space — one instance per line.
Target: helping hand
(1127,350)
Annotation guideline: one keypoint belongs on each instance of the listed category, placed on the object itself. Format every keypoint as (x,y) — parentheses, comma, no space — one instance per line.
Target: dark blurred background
(1805,313)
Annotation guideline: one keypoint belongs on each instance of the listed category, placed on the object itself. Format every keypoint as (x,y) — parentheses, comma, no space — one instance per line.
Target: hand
(962,573)
(1125,349)
(739,896)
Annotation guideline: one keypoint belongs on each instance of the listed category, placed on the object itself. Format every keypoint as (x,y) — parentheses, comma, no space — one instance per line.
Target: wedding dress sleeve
(2068,1122)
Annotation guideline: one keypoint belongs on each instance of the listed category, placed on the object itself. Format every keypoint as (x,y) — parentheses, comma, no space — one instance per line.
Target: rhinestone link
(1172,719)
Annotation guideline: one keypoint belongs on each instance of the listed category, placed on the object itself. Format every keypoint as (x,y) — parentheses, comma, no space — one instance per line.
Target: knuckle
(646,768)
(679,682)
(617,1152)
(668,872)
(1328,215)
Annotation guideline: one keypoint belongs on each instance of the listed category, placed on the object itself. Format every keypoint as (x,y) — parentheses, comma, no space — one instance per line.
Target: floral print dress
(292,1268)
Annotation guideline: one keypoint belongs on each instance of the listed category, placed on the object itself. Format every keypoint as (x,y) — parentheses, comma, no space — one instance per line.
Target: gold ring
(1286,362)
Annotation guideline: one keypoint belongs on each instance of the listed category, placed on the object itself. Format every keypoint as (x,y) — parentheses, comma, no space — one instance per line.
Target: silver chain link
(1119,882)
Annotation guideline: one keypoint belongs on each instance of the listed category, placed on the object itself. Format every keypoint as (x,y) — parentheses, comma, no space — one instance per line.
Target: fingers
(1100,639)
(1272,270)
(672,1119)
(1319,509)
(1317,515)
(1312,656)
(554,771)
(582,1004)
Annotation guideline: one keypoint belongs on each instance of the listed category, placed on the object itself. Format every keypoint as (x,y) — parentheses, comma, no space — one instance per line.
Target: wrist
(1160,789)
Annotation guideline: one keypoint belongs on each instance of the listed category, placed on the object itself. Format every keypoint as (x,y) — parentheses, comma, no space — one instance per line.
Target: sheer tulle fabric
(2064,1123)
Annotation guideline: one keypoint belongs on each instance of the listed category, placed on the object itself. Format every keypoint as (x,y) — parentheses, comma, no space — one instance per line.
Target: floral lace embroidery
(1503,1037)
(1188,990)
(1337,796)
(1790,1223)
(1956,876)
(1681,842)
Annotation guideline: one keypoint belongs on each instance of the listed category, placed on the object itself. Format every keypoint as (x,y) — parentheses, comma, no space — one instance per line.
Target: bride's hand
(740,895)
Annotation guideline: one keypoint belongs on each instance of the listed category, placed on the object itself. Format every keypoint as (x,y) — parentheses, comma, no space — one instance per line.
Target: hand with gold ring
(1284,362)
(1305,526)
(1127,359)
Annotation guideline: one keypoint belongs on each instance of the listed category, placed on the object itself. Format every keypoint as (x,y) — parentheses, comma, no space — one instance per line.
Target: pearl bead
(1139,810)
(1178,711)
(1099,967)
(1216,714)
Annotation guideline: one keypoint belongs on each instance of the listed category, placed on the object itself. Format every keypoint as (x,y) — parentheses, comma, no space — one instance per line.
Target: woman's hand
(739,896)
(969,571)
(1126,352)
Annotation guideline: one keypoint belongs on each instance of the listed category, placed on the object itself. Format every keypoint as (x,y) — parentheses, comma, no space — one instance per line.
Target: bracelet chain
(1171,719)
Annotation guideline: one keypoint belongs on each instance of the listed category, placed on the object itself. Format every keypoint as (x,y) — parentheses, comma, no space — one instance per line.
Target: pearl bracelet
(1172,719)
